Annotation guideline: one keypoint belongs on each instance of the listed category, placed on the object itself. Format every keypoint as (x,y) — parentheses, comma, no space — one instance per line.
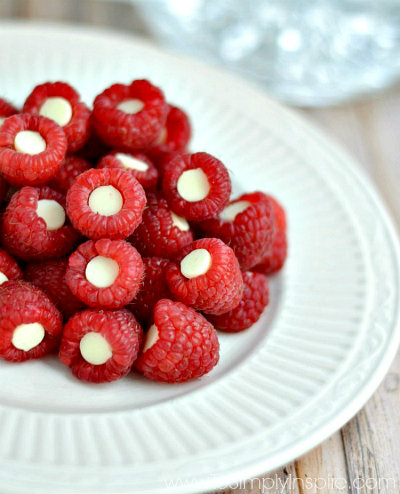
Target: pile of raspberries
(120,249)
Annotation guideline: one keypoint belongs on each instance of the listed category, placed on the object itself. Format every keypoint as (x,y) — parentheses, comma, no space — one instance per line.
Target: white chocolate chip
(180,222)
(57,109)
(106,200)
(102,271)
(131,106)
(95,349)
(52,213)
(193,185)
(29,142)
(232,210)
(196,263)
(132,163)
(3,278)
(152,337)
(2,120)
(28,336)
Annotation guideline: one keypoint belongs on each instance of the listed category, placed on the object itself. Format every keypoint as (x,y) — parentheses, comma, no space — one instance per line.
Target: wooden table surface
(364,456)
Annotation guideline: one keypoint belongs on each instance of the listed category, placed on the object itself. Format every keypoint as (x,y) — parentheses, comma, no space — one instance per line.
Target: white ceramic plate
(304,370)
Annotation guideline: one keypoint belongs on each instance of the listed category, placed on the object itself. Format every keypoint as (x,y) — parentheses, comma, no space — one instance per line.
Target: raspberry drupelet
(254,300)
(161,233)
(71,167)
(275,257)
(50,277)
(100,346)
(246,225)
(106,203)
(175,135)
(138,164)
(196,186)
(6,110)
(35,227)
(180,346)
(30,324)
(32,149)
(61,103)
(130,117)
(206,276)
(153,288)
(9,269)
(105,273)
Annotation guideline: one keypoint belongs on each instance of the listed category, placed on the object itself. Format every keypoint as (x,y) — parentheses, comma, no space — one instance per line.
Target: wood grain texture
(364,456)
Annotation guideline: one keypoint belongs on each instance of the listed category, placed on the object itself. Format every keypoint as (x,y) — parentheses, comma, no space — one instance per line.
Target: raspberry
(105,273)
(6,110)
(106,203)
(181,345)
(30,325)
(72,167)
(32,149)
(161,233)
(130,117)
(61,102)
(138,164)
(275,257)
(175,134)
(246,225)
(254,300)
(153,289)
(206,276)
(196,186)
(34,225)
(50,277)
(9,269)
(100,346)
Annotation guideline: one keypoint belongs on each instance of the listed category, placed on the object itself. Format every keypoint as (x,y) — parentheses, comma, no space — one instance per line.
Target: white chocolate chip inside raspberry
(131,106)
(3,278)
(106,200)
(102,271)
(29,142)
(57,109)
(193,185)
(52,213)
(232,210)
(2,120)
(152,337)
(132,163)
(196,263)
(28,336)
(95,349)
(180,222)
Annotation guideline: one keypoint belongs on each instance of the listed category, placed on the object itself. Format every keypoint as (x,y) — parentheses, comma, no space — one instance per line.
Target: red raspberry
(32,149)
(175,134)
(254,300)
(206,276)
(246,225)
(72,167)
(153,289)
(275,257)
(9,269)
(34,225)
(50,277)
(106,203)
(61,102)
(6,110)
(196,186)
(101,346)
(30,325)
(181,345)
(106,273)
(138,164)
(130,117)
(161,233)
